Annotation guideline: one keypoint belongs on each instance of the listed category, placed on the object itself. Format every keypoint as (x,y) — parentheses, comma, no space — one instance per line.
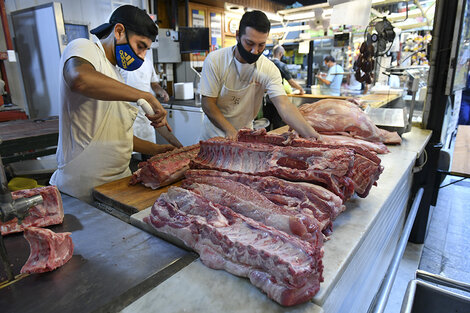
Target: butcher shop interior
(242,156)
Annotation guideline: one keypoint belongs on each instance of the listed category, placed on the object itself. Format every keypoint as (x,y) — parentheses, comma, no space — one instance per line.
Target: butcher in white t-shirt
(234,80)
(95,119)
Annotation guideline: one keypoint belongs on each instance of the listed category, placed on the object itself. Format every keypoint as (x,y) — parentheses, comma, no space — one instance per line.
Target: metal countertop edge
(122,301)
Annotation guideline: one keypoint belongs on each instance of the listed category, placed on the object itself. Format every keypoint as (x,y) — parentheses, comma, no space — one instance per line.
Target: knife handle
(145,106)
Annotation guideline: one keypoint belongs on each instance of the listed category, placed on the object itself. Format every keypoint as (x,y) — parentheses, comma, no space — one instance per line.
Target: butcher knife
(163,131)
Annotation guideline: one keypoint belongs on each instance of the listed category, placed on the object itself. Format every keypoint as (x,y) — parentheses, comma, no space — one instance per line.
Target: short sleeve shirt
(335,86)
(219,61)
(285,73)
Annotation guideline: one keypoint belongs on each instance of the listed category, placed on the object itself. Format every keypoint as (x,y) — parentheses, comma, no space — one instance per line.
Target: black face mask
(246,55)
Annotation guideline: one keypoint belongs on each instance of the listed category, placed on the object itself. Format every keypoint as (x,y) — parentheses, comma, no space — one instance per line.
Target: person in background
(95,119)
(234,80)
(145,78)
(332,80)
(278,55)
(269,110)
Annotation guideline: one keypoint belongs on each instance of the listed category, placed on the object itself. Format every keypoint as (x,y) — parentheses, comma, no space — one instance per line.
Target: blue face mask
(126,58)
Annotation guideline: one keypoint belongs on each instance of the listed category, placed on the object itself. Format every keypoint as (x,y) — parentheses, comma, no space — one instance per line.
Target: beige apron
(239,107)
(105,159)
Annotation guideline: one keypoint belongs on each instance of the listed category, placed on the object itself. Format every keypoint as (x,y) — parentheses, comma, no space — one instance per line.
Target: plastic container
(184,91)
(21,183)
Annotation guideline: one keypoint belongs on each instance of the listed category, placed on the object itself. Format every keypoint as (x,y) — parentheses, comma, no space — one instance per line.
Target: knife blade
(163,131)
(169,136)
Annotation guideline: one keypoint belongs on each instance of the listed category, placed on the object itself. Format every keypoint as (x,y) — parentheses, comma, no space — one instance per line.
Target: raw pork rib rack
(49,250)
(287,269)
(250,203)
(50,212)
(329,167)
(164,169)
(366,167)
(304,198)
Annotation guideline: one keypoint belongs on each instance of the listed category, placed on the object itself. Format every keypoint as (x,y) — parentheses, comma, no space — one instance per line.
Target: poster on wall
(216,31)
(199,18)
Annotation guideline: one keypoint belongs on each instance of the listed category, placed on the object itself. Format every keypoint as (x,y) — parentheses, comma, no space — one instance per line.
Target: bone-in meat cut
(287,269)
(49,250)
(164,169)
(250,203)
(50,212)
(329,167)
(334,116)
(366,167)
(307,198)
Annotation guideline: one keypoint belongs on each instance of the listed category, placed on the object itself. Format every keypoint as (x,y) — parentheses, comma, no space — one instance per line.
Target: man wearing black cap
(95,133)
(234,80)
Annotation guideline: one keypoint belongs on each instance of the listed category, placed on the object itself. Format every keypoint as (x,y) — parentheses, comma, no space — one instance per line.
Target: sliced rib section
(286,268)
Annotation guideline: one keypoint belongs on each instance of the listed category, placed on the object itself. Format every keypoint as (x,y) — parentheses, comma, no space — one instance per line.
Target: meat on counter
(334,116)
(288,269)
(48,250)
(50,212)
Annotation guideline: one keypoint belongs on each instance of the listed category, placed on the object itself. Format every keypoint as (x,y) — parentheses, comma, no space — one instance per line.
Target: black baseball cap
(132,18)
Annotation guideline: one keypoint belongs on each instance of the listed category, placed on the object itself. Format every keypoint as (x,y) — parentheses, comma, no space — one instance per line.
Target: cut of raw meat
(166,168)
(50,212)
(334,116)
(250,203)
(364,173)
(307,198)
(330,167)
(287,269)
(48,250)
(377,147)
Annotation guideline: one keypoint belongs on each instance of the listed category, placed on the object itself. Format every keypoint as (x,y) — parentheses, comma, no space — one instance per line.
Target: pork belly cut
(334,116)
(164,169)
(49,250)
(49,212)
(287,269)
(330,167)
(366,168)
(307,198)
(250,203)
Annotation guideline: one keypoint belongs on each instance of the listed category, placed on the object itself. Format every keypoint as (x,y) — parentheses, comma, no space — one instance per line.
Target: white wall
(91,12)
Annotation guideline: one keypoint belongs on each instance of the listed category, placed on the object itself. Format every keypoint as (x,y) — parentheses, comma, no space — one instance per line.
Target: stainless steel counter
(355,259)
(113,264)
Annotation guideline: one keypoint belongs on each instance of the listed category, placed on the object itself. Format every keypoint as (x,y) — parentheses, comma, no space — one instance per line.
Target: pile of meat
(48,250)
(262,206)
(333,116)
(164,169)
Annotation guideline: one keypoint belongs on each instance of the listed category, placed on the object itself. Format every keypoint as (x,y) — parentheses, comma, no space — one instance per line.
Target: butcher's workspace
(246,156)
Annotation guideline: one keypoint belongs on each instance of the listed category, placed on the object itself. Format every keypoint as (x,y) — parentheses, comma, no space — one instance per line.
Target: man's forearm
(95,85)
(294,84)
(150,148)
(214,114)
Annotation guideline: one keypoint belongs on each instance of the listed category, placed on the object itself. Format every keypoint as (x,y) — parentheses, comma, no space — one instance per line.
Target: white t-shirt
(141,79)
(80,116)
(218,62)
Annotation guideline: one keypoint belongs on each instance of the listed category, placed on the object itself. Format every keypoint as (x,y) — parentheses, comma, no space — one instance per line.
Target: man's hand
(163,95)
(231,134)
(159,118)
(157,149)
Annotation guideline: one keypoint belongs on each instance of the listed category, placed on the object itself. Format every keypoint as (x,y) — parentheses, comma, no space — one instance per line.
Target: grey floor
(446,249)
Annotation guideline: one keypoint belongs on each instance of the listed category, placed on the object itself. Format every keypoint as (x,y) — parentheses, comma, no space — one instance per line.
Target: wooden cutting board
(127,198)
